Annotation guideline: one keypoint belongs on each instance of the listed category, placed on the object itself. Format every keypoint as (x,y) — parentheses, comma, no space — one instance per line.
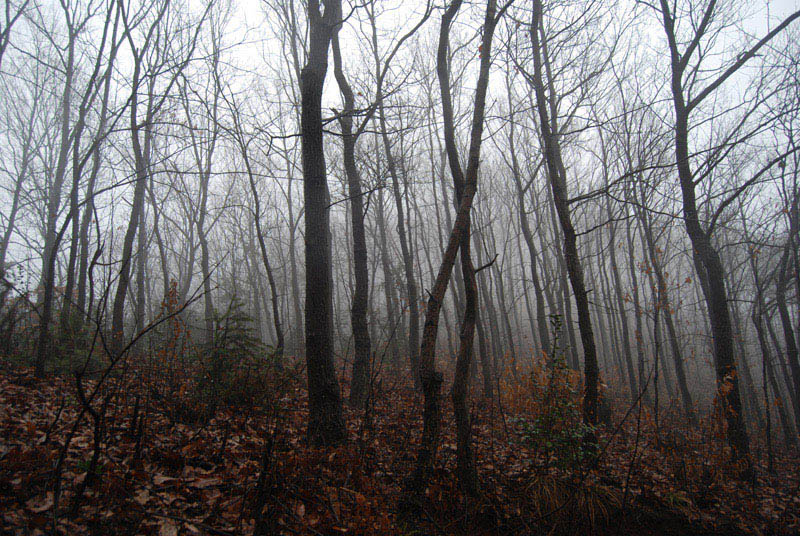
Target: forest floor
(158,476)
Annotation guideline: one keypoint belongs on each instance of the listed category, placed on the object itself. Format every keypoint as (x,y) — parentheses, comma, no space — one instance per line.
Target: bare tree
(325,421)
(466,185)
(687,55)
(147,70)
(556,172)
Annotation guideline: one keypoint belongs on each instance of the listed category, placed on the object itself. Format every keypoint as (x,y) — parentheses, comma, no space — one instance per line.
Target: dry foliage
(159,476)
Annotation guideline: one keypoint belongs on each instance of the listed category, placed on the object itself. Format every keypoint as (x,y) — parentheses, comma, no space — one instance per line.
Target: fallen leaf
(168,527)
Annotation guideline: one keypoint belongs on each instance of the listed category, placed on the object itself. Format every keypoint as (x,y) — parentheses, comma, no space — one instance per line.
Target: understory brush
(552,427)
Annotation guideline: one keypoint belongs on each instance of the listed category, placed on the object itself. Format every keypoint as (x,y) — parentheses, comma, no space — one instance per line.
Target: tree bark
(326,423)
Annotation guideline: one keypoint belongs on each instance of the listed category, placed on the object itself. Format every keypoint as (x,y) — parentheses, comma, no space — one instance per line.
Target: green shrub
(556,429)
(235,367)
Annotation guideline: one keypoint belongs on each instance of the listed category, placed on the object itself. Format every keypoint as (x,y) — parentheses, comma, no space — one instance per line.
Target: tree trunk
(390,291)
(408,263)
(141,161)
(789,434)
(623,315)
(541,313)
(786,322)
(708,266)
(326,423)
(571,258)
(466,185)
(358,313)
(50,250)
(637,311)
(661,282)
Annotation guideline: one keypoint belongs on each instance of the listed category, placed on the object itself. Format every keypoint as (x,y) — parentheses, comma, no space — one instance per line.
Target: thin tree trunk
(751,398)
(541,312)
(408,264)
(358,313)
(572,260)
(623,315)
(459,238)
(661,282)
(637,311)
(390,291)
(757,317)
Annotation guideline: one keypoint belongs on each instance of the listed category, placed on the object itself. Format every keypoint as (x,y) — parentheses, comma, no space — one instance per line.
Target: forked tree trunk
(141,155)
(708,263)
(466,185)
(325,420)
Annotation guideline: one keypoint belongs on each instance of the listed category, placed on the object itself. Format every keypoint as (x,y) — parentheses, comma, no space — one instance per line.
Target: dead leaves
(196,480)
(168,527)
(37,505)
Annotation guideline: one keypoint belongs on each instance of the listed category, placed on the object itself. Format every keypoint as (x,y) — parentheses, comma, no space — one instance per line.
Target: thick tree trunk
(707,264)
(326,423)
(709,267)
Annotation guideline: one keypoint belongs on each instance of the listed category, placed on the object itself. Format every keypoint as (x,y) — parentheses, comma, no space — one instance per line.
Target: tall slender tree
(325,420)
(687,57)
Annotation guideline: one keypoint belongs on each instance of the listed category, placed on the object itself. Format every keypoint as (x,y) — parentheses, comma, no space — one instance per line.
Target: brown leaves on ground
(168,479)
